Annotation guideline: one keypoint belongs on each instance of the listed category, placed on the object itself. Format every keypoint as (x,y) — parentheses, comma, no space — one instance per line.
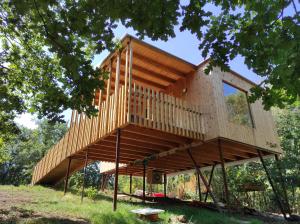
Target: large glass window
(237,105)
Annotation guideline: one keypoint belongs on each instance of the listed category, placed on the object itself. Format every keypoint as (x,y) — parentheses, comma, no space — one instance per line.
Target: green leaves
(46,47)
(259,31)
(22,151)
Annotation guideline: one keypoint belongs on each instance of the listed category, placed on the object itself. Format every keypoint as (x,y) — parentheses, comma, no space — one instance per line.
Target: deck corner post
(67,176)
(165,185)
(130,184)
(84,174)
(129,81)
(223,172)
(117,84)
(117,169)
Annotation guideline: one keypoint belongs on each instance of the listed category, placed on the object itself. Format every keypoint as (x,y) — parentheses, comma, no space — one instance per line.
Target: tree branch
(51,37)
(2,66)
(294,5)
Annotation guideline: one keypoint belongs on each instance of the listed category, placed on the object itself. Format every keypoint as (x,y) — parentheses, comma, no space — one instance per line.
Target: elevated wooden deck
(154,98)
(137,101)
(151,122)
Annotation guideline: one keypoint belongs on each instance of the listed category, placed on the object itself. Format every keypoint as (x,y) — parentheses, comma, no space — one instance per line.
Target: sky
(184,45)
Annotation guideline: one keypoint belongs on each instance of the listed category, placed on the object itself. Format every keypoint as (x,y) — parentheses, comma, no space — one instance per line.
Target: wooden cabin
(161,109)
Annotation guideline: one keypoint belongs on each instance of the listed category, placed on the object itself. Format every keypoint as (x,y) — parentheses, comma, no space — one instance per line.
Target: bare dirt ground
(11,211)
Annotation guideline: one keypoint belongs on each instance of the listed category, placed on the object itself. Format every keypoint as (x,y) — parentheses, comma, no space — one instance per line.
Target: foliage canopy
(19,155)
(47,47)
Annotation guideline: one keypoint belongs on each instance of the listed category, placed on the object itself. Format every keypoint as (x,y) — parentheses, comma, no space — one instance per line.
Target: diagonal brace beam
(203,179)
(279,202)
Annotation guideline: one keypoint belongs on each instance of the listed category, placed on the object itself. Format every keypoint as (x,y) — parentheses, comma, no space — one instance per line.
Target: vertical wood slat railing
(163,112)
(148,108)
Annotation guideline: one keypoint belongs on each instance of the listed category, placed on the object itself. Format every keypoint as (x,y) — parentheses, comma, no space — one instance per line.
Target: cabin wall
(207,91)
(197,89)
(264,131)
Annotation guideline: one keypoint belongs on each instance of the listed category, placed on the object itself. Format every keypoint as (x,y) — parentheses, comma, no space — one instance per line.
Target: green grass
(53,203)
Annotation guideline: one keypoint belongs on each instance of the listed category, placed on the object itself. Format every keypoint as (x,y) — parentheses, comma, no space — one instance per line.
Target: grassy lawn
(37,204)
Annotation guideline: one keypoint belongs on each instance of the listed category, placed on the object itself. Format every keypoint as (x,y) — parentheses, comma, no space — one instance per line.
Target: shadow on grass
(43,220)
(17,215)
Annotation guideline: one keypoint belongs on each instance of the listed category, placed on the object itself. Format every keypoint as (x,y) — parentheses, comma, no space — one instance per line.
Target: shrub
(91,193)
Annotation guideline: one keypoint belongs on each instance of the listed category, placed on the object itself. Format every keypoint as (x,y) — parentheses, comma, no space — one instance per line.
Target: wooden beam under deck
(205,155)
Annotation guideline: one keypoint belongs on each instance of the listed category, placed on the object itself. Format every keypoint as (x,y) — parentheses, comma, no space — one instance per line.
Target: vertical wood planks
(116,99)
(129,81)
(131,103)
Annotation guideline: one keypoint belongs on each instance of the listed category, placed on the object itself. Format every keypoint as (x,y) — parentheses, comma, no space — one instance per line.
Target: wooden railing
(163,112)
(148,108)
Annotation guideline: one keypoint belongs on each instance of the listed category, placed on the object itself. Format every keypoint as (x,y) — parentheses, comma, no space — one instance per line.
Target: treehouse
(159,112)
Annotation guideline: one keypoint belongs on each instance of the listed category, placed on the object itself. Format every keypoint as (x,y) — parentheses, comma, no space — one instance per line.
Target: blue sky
(184,45)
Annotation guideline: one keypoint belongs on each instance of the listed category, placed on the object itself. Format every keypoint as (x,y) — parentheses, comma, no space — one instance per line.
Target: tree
(47,47)
(288,125)
(288,128)
(92,176)
(26,149)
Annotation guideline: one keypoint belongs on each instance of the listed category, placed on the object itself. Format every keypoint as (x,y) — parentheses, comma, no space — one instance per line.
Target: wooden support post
(99,114)
(223,172)
(199,187)
(210,180)
(130,184)
(129,81)
(67,176)
(283,184)
(203,179)
(103,181)
(117,169)
(165,185)
(117,81)
(84,173)
(144,181)
(126,67)
(271,183)
(100,181)
(108,97)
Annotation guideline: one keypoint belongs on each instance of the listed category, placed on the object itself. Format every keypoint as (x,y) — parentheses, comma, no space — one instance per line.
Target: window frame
(252,124)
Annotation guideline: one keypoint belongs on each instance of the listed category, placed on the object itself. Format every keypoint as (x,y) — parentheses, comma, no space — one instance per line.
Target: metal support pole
(84,173)
(117,169)
(271,183)
(102,181)
(130,183)
(165,185)
(199,187)
(223,172)
(283,183)
(144,181)
(203,180)
(67,176)
(210,180)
